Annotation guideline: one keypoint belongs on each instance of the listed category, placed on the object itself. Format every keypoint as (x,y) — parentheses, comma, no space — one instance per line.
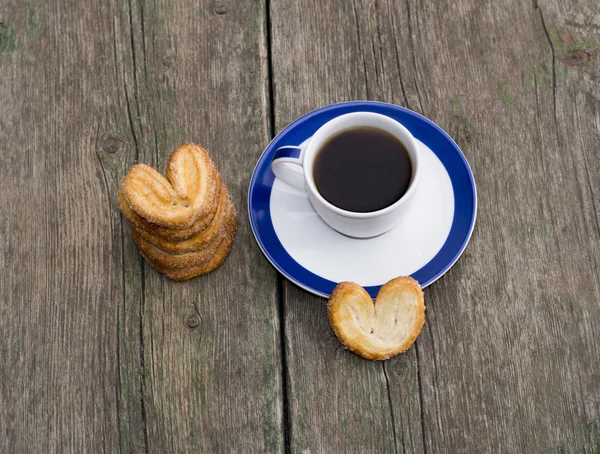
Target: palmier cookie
(179,201)
(216,256)
(381,329)
(140,223)
(199,242)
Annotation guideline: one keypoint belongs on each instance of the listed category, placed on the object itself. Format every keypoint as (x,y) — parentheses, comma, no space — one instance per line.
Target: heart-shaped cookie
(182,199)
(381,329)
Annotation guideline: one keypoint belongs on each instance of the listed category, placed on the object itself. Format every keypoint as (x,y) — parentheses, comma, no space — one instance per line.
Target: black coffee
(362,169)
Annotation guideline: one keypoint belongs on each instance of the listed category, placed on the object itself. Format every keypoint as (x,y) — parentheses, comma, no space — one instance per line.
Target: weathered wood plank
(338,402)
(508,360)
(100,353)
(510,355)
(57,316)
(210,372)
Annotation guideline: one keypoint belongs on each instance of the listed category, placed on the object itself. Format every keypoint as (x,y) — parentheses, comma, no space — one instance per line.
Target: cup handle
(287,166)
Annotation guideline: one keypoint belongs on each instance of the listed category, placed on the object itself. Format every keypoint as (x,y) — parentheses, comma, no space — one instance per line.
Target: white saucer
(425,244)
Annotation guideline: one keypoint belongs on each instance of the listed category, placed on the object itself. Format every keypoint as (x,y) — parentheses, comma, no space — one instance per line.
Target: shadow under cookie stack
(183,225)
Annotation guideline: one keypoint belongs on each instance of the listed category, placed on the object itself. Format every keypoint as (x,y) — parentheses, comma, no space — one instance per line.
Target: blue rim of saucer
(463,184)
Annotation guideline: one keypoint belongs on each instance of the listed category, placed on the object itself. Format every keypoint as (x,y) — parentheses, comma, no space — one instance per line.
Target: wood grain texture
(338,402)
(99,353)
(508,359)
(209,375)
(510,354)
(57,318)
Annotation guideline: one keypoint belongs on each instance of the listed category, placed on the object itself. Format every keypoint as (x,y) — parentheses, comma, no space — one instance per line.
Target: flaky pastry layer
(168,234)
(201,240)
(216,232)
(216,256)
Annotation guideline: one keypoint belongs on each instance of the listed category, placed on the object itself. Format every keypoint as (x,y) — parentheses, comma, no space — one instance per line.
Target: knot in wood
(401,369)
(111,145)
(192,321)
(220,10)
(168,61)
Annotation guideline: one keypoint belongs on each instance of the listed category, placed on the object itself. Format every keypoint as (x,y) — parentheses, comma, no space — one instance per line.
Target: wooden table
(99,353)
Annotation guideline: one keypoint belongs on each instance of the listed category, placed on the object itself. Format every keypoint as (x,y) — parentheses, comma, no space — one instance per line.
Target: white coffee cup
(294,166)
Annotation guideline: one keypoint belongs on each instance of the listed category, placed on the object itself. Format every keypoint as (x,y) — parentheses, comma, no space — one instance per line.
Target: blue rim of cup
(423,129)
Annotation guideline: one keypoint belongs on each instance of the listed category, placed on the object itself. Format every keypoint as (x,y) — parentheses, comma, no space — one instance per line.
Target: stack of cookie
(184,224)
